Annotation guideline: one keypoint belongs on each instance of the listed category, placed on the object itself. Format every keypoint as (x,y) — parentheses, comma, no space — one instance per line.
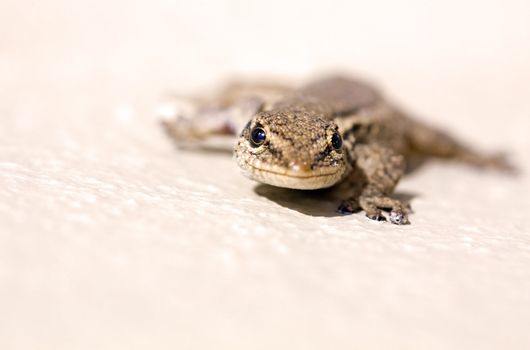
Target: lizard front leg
(189,120)
(225,113)
(377,171)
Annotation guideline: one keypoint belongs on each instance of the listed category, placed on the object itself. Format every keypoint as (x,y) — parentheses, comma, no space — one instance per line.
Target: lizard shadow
(323,202)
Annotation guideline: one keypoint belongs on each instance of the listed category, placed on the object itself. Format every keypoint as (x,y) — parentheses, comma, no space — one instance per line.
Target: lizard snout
(300,166)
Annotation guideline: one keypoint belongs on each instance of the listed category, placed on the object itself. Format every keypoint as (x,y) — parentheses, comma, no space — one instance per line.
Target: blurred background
(110,238)
(130,52)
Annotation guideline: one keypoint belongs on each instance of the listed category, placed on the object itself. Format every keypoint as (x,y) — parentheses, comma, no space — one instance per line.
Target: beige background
(110,238)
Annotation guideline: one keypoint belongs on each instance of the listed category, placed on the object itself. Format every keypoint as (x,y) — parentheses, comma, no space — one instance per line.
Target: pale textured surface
(110,238)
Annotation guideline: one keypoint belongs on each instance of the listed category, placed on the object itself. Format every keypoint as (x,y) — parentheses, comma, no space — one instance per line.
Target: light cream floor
(110,238)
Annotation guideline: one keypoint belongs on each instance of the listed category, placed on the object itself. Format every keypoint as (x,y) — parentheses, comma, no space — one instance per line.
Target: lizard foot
(373,206)
(352,206)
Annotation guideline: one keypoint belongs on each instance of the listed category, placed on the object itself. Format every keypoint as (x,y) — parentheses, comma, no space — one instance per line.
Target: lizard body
(334,131)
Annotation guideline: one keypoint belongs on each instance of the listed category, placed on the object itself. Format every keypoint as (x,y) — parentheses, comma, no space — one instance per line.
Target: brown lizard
(334,131)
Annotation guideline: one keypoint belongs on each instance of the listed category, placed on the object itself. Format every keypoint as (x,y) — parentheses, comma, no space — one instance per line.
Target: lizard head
(292,149)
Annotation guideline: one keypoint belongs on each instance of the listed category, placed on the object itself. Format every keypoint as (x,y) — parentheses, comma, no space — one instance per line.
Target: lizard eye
(257,136)
(336,141)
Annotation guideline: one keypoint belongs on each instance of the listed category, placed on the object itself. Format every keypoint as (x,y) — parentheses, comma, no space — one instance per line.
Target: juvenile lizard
(334,131)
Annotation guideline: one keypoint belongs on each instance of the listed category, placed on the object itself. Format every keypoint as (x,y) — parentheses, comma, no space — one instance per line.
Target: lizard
(334,131)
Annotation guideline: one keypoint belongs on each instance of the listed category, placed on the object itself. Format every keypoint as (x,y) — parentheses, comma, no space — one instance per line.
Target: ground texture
(112,238)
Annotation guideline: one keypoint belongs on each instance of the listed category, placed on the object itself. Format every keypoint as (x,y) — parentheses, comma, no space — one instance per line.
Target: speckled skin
(377,140)
(297,152)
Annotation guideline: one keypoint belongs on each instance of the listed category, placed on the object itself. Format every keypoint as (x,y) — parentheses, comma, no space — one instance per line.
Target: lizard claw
(398,217)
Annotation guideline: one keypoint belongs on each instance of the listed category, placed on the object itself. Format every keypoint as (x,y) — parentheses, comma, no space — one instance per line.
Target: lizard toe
(376,215)
(398,217)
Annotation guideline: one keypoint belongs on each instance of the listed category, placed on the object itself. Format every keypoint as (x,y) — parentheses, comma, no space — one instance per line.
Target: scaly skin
(335,131)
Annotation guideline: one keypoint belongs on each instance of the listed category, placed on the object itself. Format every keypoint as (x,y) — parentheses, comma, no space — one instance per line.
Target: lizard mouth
(292,177)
